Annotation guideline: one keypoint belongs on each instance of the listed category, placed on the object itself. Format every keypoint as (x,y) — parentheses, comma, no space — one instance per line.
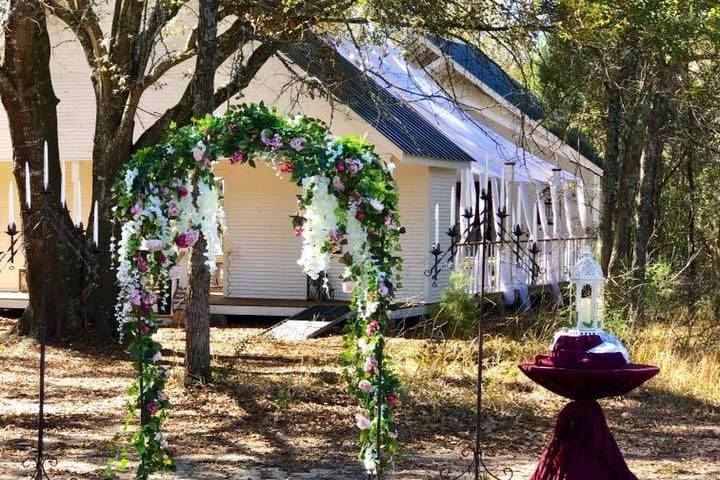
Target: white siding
(441,181)
(261,251)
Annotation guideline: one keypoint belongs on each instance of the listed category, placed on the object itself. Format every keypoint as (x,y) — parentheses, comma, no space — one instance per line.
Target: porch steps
(309,323)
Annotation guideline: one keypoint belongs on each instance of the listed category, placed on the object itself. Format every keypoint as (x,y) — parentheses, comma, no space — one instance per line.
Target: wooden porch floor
(218,299)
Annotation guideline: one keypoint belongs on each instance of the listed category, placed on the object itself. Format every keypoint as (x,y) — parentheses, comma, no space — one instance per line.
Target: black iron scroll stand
(477,469)
(43,219)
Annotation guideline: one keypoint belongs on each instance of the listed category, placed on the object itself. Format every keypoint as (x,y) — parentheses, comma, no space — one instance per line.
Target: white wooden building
(437,151)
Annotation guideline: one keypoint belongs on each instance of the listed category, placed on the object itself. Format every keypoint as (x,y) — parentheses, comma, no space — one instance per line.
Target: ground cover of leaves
(278,410)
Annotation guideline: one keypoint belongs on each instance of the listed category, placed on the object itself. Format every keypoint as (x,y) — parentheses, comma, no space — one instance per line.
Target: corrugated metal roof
(482,67)
(490,73)
(391,116)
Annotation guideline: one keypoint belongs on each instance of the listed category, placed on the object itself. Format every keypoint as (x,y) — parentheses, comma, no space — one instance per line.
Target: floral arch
(348,203)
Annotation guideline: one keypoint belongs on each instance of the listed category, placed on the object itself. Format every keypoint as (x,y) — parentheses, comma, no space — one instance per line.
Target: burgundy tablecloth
(581,446)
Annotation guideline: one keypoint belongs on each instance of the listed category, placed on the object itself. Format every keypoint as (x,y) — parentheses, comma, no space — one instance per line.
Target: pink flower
(145,308)
(376,204)
(340,166)
(383,289)
(389,221)
(365,386)
(163,259)
(238,157)
(360,215)
(297,231)
(372,328)
(145,328)
(150,298)
(187,239)
(135,298)
(183,191)
(298,144)
(153,245)
(338,184)
(286,167)
(393,399)
(198,154)
(173,208)
(355,165)
(142,264)
(266,136)
(175,272)
(193,236)
(135,210)
(348,287)
(370,365)
(362,422)
(336,237)
(151,408)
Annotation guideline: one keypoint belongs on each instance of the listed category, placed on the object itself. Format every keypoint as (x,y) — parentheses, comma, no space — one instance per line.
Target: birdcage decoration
(588,281)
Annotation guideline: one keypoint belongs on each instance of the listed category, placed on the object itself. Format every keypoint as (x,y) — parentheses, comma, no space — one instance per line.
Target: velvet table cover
(581,446)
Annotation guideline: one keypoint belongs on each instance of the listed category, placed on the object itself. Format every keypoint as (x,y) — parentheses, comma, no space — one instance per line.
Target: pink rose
(163,259)
(338,184)
(175,272)
(365,386)
(298,144)
(153,245)
(393,399)
(173,208)
(348,287)
(142,264)
(182,240)
(360,215)
(286,167)
(135,298)
(389,221)
(355,165)
(193,236)
(238,157)
(370,365)
(183,191)
(145,328)
(297,231)
(362,422)
(135,210)
(340,166)
(372,328)
(151,408)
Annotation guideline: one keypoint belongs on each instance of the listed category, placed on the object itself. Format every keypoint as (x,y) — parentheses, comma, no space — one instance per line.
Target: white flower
(320,222)
(130,176)
(370,461)
(376,204)
(390,167)
(157,357)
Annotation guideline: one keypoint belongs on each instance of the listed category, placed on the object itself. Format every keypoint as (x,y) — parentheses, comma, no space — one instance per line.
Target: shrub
(456,314)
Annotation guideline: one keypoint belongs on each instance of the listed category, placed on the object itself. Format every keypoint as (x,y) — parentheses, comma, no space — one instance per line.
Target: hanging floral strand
(348,203)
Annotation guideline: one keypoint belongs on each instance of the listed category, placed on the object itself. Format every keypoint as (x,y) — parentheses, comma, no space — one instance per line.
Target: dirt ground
(279,411)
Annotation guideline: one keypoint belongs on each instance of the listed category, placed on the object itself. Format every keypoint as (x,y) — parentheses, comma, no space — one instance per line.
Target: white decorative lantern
(589,283)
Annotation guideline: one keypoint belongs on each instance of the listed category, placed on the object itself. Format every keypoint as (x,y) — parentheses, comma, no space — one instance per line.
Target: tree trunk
(197,323)
(609,180)
(631,152)
(31,104)
(657,133)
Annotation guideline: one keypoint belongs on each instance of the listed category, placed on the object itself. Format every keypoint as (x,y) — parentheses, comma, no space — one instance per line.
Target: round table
(581,446)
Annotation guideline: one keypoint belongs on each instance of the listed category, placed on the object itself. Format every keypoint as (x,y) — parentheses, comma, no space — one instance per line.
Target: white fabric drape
(549,274)
(582,204)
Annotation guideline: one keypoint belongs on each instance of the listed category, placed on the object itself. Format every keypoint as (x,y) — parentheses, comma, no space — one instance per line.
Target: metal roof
(482,67)
(391,116)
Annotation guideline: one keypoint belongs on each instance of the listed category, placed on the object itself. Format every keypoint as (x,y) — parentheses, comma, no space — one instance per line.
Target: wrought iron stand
(44,219)
(476,469)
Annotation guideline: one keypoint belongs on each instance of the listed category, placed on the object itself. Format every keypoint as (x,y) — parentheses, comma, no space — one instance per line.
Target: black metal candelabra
(48,220)
(476,468)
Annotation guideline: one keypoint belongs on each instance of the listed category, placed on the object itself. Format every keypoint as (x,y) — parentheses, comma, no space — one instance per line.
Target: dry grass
(279,409)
